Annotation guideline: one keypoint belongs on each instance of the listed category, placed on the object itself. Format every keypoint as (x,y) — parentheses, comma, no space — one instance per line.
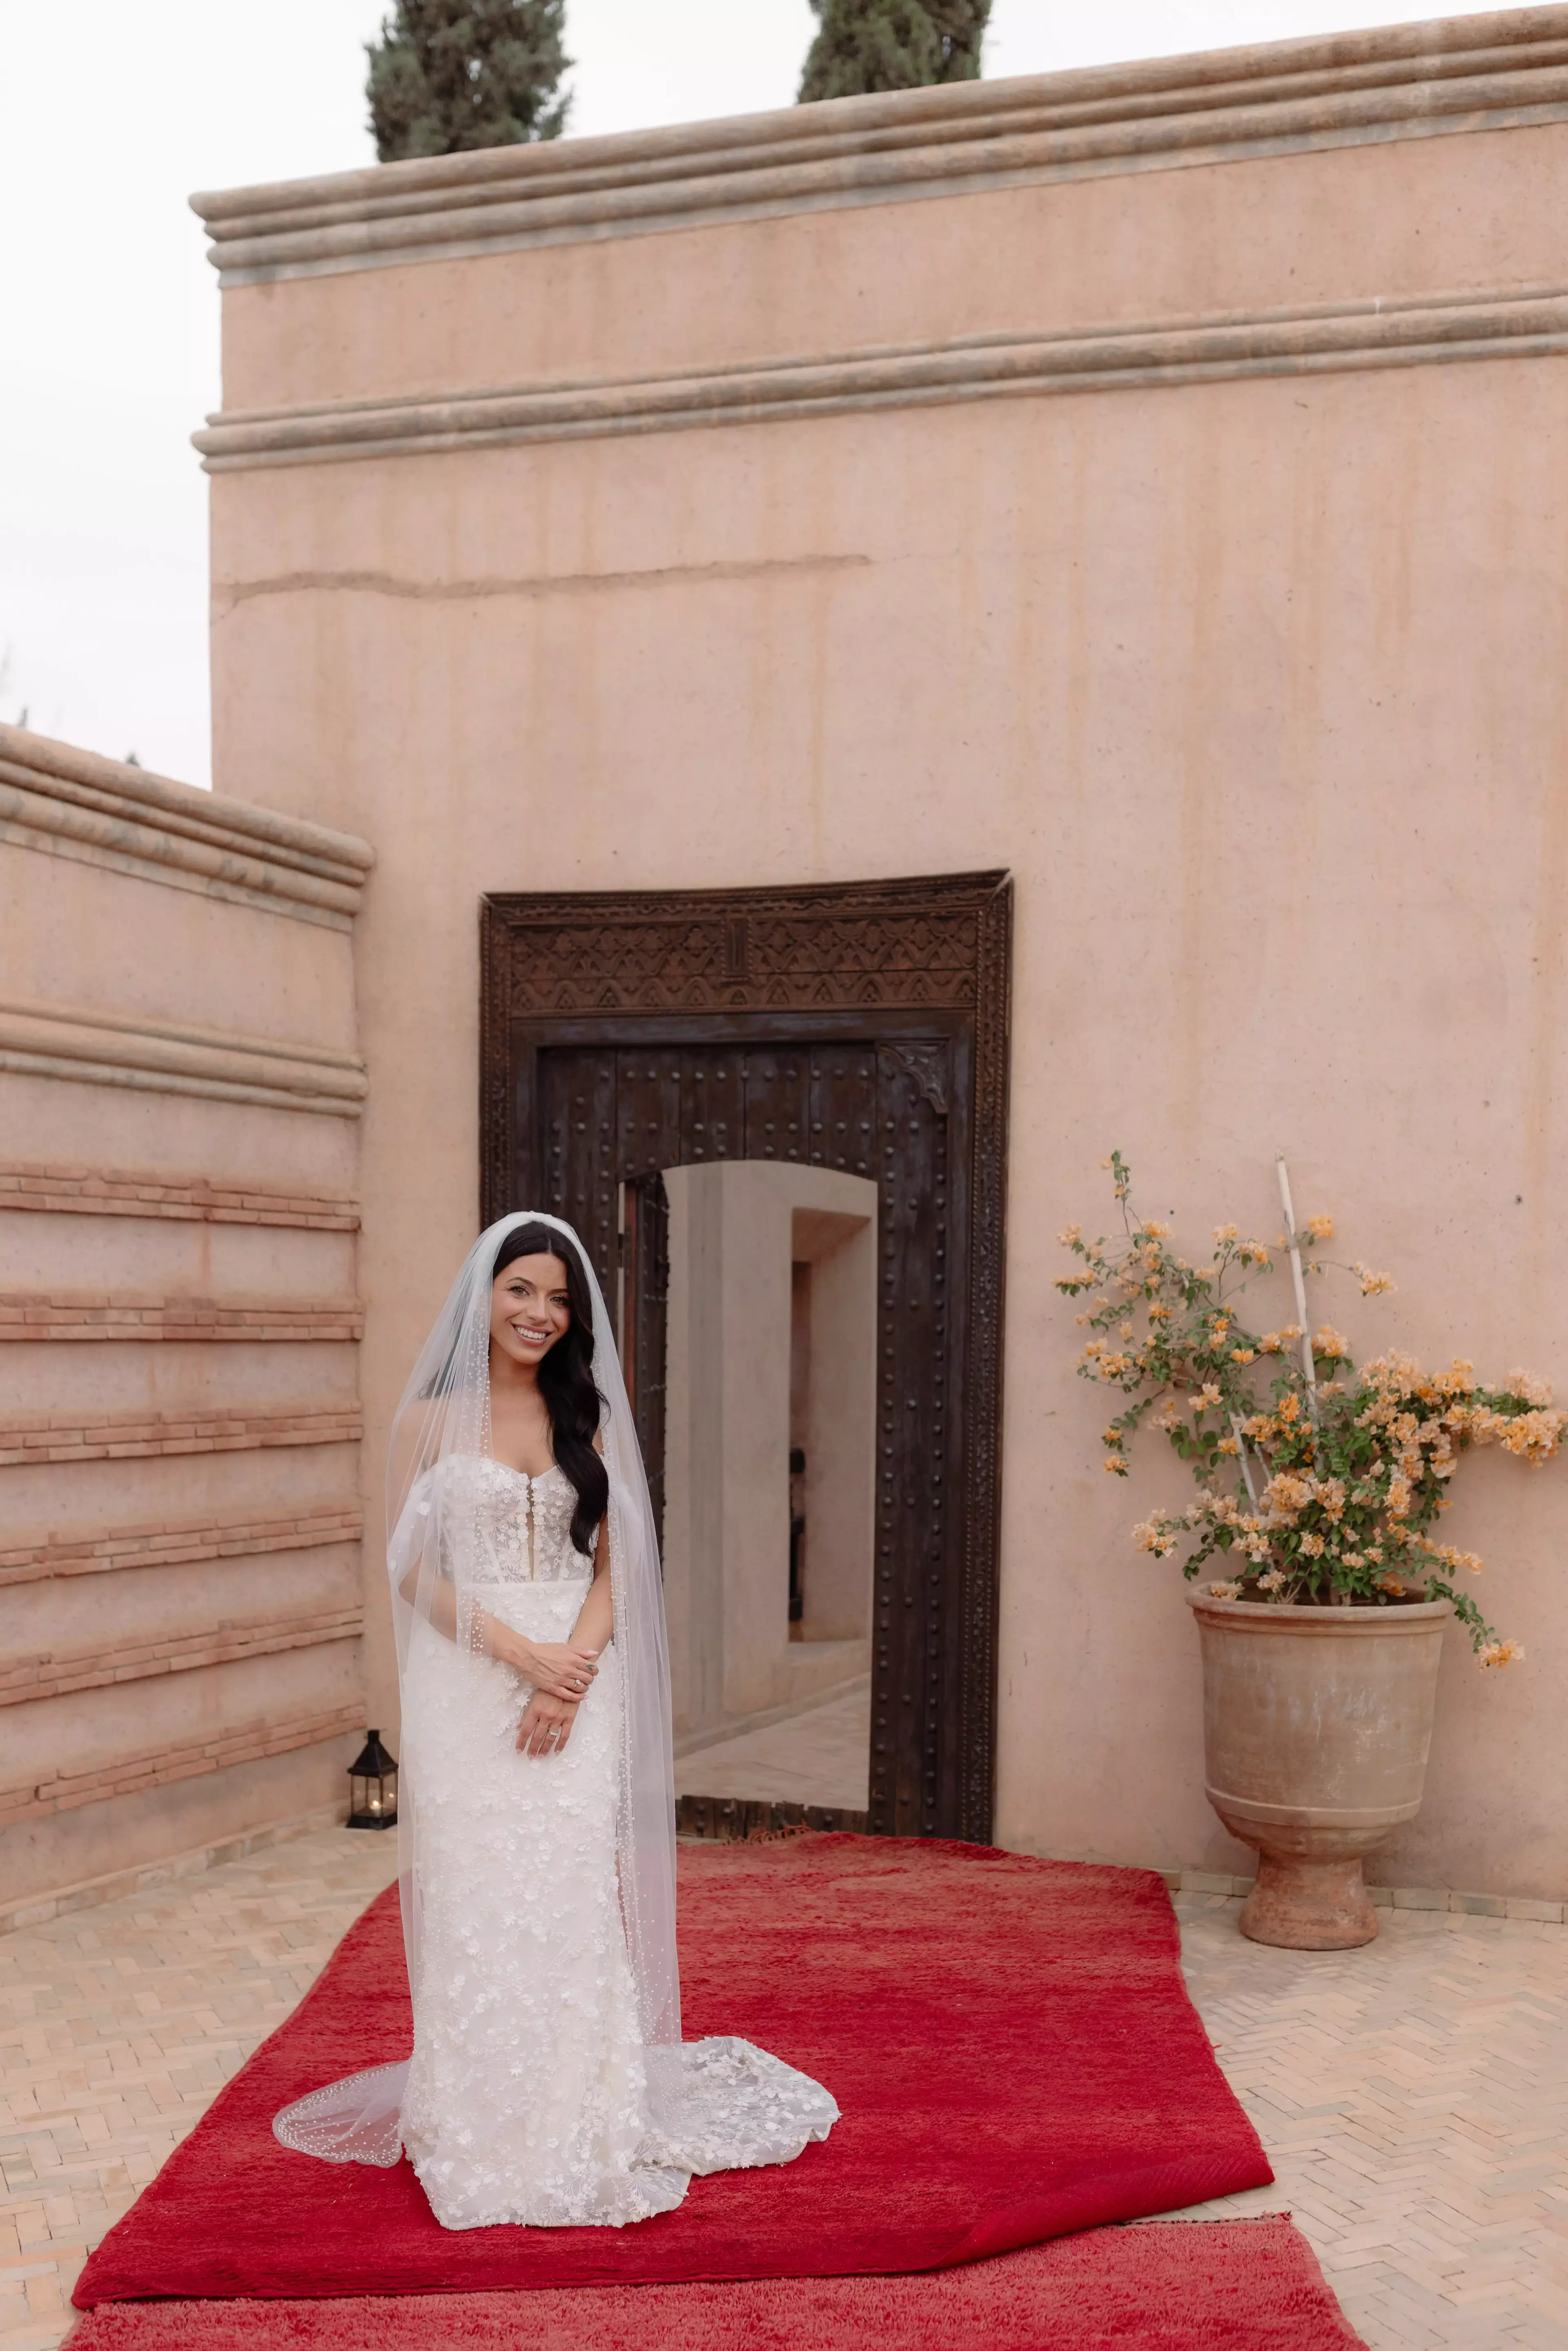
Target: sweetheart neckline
(528,1476)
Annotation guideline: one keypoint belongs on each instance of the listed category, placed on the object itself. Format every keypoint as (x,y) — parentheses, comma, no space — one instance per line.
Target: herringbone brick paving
(1413,2095)
(120,2024)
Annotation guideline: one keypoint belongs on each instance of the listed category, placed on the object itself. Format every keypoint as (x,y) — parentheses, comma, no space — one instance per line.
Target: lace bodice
(518,1527)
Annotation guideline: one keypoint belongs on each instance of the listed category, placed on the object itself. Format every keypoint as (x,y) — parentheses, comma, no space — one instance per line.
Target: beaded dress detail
(526,2099)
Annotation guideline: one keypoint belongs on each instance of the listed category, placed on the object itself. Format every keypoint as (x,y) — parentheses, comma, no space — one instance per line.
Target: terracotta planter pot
(1316,1726)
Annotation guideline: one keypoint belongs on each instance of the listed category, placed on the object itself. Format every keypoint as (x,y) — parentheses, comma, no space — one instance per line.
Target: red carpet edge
(1010,2041)
(1215,2285)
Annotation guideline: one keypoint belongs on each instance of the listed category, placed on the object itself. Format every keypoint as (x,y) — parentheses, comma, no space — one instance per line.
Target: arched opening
(770,1460)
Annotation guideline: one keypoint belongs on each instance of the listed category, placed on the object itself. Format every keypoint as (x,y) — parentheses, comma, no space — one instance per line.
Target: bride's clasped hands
(560,1674)
(557,1667)
(547,1723)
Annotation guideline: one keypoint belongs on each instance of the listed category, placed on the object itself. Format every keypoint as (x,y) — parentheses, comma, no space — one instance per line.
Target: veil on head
(444,1415)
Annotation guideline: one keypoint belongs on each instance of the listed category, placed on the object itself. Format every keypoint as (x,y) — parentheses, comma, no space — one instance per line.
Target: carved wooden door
(878,1109)
(861,1028)
(645,1318)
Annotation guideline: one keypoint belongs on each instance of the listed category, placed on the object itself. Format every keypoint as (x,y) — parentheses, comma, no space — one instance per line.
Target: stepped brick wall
(179,1507)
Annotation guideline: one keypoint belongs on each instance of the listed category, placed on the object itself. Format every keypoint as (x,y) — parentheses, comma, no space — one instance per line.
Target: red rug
(1010,2042)
(1223,2285)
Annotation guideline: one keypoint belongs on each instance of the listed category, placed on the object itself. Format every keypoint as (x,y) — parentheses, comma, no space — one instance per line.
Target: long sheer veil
(446,1414)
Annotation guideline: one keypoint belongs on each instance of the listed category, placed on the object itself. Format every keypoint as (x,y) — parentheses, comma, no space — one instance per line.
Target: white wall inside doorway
(738,1231)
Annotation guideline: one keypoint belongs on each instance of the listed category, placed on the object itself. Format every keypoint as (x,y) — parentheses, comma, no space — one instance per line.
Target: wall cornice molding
(45,1440)
(96,1047)
(1458,74)
(57,1188)
(167,1544)
(66,802)
(53,1673)
(38,1317)
(1395,330)
(155,1767)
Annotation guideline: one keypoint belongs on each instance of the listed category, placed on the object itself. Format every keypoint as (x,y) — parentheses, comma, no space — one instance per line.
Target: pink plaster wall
(124,1735)
(1332,226)
(1258,686)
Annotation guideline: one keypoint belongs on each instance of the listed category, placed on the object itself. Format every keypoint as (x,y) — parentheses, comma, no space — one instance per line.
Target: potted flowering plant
(1320,1486)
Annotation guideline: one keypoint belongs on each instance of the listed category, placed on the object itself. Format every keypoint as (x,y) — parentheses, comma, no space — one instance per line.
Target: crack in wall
(567,584)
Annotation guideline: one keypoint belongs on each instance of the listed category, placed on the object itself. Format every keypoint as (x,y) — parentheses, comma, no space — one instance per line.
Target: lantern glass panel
(372,1786)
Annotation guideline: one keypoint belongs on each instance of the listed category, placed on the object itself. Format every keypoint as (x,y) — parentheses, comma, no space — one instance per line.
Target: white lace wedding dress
(527,2095)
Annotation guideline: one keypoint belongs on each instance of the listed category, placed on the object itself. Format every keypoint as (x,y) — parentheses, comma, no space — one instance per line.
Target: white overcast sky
(114,112)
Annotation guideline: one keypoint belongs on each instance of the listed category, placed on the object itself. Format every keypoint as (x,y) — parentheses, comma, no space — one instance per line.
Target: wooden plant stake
(1309,1368)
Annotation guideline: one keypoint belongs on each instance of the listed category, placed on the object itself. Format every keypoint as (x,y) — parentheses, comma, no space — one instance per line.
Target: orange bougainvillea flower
(1310,1491)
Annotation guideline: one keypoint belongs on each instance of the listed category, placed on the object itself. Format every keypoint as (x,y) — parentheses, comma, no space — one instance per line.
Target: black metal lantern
(372,1786)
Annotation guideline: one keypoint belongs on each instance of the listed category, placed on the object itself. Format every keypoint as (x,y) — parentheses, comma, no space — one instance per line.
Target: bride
(549,2083)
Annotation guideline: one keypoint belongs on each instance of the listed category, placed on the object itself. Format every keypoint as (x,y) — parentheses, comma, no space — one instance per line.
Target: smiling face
(529,1309)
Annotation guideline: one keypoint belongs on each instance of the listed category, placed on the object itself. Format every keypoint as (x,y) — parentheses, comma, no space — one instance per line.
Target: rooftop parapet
(70,802)
(1415,80)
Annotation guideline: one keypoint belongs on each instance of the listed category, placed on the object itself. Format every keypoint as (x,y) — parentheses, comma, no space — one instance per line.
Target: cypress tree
(866,44)
(448,75)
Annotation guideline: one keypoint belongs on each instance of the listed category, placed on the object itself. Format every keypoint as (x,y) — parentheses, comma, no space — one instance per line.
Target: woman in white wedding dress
(549,2083)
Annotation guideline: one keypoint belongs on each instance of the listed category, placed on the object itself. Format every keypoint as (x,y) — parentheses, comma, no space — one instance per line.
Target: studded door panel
(618,1115)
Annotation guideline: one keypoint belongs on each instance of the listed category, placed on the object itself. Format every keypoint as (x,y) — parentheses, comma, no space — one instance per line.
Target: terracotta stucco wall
(1249,664)
(180,1089)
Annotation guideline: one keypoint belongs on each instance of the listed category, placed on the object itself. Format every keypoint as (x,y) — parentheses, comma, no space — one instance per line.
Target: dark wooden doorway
(861,1027)
(643,1316)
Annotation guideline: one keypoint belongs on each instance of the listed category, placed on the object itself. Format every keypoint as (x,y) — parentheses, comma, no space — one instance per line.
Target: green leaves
(873,45)
(447,76)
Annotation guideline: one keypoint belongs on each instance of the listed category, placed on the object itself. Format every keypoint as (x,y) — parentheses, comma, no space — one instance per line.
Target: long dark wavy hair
(566,1379)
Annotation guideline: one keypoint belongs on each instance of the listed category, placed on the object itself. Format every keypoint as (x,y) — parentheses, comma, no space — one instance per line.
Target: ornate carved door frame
(917,974)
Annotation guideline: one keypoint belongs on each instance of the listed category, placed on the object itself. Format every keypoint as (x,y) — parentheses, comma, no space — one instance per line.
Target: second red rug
(1217,2285)
(1010,2042)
